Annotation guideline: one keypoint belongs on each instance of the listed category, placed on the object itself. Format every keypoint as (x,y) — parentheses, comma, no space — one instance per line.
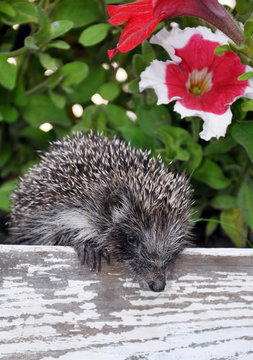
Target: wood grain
(51,308)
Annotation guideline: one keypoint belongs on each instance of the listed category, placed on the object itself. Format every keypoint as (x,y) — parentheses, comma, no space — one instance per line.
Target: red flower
(208,10)
(142,17)
(140,23)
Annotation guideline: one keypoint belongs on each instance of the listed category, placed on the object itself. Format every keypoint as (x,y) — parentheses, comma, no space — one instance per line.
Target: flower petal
(203,83)
(178,39)
(154,77)
(119,14)
(193,49)
(176,79)
(140,24)
(169,40)
(214,125)
(208,10)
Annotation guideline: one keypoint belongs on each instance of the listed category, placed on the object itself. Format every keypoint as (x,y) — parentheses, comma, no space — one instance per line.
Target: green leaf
(54,79)
(211,174)
(60,27)
(147,52)
(109,91)
(173,138)
(233,224)
(88,120)
(7,9)
(246,76)
(94,117)
(179,145)
(5,191)
(196,154)
(117,116)
(94,34)
(211,226)
(8,113)
(40,139)
(221,50)
(80,12)
(5,152)
(221,146)
(150,119)
(247,106)
(30,43)
(74,73)
(40,109)
(47,61)
(223,202)
(84,91)
(244,6)
(58,100)
(43,32)
(243,134)
(133,86)
(25,12)
(19,96)
(138,138)
(58,44)
(238,114)
(138,64)
(8,73)
(236,48)
(248,31)
(245,201)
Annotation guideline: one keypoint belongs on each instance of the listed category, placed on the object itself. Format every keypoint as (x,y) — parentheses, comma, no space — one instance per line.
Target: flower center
(199,82)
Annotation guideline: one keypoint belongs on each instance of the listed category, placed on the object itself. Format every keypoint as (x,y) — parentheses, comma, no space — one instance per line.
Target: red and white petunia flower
(202,83)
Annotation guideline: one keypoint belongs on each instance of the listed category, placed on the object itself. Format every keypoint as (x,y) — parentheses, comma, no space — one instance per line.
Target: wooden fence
(51,308)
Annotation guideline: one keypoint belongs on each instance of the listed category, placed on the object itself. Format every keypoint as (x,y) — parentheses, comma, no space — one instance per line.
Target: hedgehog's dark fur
(104,198)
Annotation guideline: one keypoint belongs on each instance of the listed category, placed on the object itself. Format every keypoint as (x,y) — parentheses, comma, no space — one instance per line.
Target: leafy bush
(53,54)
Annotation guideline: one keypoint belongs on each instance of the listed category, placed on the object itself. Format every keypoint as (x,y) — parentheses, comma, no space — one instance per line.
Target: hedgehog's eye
(132,240)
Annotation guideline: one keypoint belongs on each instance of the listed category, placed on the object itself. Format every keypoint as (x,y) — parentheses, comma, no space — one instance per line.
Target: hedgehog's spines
(90,191)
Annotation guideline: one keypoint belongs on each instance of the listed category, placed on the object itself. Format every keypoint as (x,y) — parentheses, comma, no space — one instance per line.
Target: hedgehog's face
(149,254)
(148,243)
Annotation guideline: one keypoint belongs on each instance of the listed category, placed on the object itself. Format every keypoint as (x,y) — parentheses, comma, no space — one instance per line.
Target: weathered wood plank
(51,307)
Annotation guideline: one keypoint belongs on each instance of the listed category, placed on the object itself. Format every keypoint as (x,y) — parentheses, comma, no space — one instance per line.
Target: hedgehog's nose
(157,285)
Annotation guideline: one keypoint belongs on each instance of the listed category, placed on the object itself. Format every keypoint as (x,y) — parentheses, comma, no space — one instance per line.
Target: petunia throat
(199,81)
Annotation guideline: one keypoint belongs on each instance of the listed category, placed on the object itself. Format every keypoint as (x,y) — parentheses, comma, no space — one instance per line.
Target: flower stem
(37,88)
(15,53)
(195,125)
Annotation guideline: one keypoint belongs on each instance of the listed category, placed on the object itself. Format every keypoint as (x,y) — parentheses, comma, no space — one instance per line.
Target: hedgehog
(106,200)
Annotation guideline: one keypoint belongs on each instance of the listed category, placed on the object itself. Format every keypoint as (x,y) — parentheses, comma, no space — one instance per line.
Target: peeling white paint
(52,306)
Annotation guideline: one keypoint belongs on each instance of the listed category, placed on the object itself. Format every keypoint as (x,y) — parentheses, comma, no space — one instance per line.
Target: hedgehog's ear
(117,199)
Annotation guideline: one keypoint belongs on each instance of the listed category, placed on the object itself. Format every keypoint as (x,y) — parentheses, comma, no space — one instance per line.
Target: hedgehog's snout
(156,280)
(157,285)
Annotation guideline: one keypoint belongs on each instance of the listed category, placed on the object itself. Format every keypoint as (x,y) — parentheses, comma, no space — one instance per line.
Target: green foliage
(60,49)
(233,224)
(243,134)
(94,34)
(5,192)
(7,73)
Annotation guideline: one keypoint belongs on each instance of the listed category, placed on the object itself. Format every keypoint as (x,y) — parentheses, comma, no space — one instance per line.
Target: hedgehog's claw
(87,254)
(106,256)
(81,253)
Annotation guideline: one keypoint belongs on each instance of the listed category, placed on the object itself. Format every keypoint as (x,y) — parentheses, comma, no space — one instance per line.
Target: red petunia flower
(201,83)
(143,16)
(140,24)
(208,10)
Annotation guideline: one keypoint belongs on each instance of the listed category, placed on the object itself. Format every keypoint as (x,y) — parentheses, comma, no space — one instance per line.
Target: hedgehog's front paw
(91,256)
